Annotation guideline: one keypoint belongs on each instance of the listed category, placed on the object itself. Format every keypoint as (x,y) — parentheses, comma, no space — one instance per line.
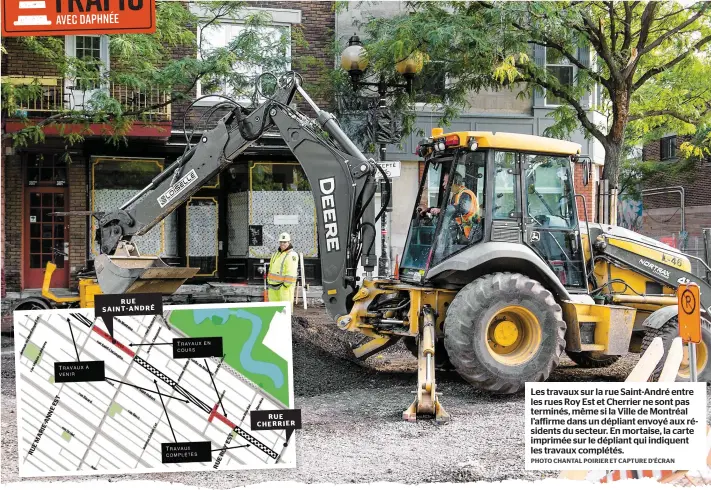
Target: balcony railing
(56,95)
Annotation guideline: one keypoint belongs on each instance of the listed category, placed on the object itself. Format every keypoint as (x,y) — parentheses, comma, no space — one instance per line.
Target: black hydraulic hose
(187,110)
(384,205)
(254,136)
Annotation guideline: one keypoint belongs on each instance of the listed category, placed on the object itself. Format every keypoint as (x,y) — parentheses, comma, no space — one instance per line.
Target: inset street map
(170,392)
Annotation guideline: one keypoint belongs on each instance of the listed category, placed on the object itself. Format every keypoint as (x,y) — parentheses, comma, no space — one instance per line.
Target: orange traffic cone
(396,272)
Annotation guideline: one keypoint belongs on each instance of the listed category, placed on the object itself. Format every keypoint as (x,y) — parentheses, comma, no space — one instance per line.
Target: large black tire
(668,332)
(592,360)
(32,303)
(475,311)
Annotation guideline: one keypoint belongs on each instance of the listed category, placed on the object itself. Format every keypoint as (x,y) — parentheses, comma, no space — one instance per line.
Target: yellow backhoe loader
(499,277)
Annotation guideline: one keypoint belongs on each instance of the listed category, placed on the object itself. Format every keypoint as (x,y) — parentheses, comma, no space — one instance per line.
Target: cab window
(504,185)
(461,213)
(421,236)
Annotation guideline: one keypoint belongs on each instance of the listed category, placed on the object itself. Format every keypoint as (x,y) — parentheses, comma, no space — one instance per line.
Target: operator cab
(474,189)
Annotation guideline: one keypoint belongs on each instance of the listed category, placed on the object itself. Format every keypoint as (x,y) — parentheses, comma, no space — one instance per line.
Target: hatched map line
(111,427)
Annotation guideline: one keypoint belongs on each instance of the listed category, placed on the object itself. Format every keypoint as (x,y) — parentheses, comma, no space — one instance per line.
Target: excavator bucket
(128,272)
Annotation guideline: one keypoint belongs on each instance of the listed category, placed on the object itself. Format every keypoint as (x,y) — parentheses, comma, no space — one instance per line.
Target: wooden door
(42,232)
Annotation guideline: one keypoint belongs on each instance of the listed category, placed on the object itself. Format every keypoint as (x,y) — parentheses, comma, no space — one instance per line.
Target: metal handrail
(666,190)
(58,96)
(587,225)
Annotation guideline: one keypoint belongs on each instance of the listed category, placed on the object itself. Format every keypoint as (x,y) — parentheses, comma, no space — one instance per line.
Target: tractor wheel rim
(513,335)
(701,360)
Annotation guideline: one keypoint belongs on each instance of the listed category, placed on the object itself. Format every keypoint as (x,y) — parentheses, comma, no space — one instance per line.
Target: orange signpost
(74,17)
(689,313)
(690,321)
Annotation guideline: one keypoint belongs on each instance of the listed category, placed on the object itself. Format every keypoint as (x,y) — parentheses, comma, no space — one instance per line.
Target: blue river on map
(268,369)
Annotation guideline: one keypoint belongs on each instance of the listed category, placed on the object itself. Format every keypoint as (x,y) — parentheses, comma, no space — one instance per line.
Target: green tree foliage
(145,62)
(650,59)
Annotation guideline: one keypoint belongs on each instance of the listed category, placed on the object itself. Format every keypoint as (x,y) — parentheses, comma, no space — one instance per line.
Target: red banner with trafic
(76,17)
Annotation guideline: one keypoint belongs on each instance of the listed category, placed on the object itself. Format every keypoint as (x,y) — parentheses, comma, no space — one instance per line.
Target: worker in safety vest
(283,266)
(463,208)
(465,204)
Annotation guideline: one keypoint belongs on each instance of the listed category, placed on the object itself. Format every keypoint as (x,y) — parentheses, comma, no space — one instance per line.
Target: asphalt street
(352,426)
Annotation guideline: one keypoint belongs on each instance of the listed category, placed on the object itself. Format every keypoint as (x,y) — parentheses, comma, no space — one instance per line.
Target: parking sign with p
(689,313)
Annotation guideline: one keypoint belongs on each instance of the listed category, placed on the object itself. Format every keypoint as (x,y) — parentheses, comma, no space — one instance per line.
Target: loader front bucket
(117,275)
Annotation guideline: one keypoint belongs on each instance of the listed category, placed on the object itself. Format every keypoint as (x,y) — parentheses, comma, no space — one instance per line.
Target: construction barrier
(641,373)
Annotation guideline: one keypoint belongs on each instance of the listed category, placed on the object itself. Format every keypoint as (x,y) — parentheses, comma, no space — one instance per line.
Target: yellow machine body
(627,286)
(88,288)
(612,324)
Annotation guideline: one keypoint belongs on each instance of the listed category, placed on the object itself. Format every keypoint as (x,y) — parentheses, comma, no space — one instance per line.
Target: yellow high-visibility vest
(283,267)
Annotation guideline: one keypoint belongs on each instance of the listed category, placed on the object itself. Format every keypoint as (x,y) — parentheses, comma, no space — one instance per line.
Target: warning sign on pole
(689,313)
(391,169)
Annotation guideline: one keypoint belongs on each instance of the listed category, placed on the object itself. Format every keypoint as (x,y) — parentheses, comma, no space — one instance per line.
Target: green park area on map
(242,331)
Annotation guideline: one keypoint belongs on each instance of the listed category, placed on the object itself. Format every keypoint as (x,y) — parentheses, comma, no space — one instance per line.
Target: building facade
(264,190)
(496,111)
(677,206)
(229,228)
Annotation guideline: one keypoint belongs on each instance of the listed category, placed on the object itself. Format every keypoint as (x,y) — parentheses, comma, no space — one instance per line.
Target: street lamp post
(354,61)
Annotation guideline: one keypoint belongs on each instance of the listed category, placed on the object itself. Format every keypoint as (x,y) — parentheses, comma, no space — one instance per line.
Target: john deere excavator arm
(342,181)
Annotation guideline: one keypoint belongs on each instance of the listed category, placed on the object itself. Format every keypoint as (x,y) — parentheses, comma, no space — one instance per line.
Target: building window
(88,50)
(274,54)
(46,170)
(667,147)
(280,200)
(82,82)
(88,47)
(115,180)
(559,66)
(434,186)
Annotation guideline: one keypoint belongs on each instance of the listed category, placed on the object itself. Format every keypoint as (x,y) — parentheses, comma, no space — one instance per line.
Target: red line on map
(114,342)
(224,419)
(212,414)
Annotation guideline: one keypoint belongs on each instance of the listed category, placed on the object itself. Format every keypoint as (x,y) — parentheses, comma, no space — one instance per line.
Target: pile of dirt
(315,326)
(324,361)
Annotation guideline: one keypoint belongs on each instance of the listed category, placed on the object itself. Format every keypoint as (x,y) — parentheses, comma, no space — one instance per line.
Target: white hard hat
(284,237)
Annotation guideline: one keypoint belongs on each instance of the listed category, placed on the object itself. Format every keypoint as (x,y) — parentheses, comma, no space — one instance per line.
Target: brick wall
(76,176)
(587,191)
(317,28)
(652,151)
(12,180)
(696,183)
(21,61)
(666,222)
(3,145)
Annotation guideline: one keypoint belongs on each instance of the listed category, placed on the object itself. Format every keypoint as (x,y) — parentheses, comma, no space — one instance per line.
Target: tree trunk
(610,172)
(613,155)
(616,135)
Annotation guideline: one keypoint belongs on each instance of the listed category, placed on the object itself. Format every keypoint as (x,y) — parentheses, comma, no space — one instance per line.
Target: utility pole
(383,260)
(354,61)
